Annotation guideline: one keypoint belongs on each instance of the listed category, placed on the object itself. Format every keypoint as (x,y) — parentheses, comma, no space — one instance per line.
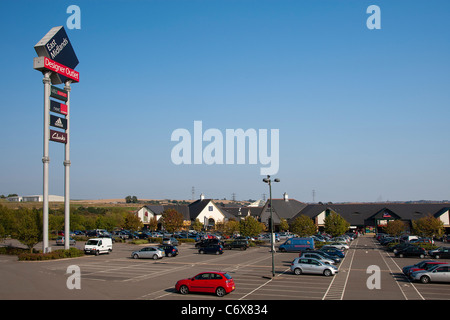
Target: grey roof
(359,213)
(242,212)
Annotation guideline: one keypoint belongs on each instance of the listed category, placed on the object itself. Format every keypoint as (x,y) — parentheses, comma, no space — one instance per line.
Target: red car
(219,283)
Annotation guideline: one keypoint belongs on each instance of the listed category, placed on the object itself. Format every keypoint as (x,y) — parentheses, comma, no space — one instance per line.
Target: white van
(98,245)
(408,238)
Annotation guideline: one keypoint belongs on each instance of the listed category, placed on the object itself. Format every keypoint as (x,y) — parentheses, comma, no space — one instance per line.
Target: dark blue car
(169,250)
(332,251)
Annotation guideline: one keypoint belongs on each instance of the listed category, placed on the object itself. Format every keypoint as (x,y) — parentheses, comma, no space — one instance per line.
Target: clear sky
(362,114)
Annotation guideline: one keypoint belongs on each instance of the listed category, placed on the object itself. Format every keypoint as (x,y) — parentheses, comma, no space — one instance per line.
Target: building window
(210,208)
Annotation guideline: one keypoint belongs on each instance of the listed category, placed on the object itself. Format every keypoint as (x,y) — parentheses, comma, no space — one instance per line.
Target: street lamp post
(272,247)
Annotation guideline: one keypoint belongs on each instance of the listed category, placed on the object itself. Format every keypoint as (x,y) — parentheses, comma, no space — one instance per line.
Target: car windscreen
(92,242)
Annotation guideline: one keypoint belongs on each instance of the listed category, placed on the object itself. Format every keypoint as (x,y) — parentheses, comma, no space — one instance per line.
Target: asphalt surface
(116,276)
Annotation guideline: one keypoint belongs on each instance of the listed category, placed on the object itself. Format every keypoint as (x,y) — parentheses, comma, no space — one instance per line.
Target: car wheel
(425,279)
(97,252)
(437,256)
(169,254)
(201,251)
(220,292)
(401,255)
(184,290)
(422,256)
(217,252)
(155,257)
(298,271)
(135,256)
(327,272)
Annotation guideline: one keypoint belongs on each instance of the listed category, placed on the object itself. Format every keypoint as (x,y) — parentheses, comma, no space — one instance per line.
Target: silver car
(313,266)
(440,273)
(148,252)
(317,256)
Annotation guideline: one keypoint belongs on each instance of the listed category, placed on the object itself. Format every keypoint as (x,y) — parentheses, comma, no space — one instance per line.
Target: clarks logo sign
(57,136)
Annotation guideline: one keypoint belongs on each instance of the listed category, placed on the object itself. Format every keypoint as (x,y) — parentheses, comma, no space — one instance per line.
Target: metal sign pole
(46,160)
(67,173)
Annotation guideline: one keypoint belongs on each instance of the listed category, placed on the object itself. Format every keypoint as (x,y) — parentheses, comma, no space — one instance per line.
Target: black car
(411,251)
(169,250)
(441,252)
(212,248)
(206,242)
(236,244)
(399,247)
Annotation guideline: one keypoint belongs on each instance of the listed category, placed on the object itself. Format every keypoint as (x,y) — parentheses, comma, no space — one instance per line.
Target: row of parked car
(427,271)
(409,246)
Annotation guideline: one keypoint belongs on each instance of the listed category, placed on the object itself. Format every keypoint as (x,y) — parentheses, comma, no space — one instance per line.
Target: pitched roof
(358,213)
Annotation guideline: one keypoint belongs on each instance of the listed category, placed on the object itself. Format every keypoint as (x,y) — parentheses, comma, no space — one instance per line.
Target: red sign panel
(58,107)
(58,136)
(44,63)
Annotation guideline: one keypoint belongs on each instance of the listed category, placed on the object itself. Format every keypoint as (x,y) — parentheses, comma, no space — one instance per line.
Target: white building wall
(210,212)
(445,218)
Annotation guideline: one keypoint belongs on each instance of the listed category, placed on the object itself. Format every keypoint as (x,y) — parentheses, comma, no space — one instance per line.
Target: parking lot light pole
(272,247)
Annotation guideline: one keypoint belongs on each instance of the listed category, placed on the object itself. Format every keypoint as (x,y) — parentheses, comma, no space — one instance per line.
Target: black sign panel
(55,45)
(58,107)
(58,93)
(58,122)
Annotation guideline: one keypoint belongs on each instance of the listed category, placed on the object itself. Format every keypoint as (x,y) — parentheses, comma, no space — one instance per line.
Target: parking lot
(117,276)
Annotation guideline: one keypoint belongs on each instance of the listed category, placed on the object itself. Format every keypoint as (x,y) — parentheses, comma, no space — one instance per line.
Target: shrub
(57,254)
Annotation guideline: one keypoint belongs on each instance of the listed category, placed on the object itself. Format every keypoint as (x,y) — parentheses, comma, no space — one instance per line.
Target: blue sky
(362,114)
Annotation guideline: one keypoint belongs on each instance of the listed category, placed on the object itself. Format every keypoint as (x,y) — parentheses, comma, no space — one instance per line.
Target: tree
(132,222)
(395,228)
(172,220)
(131,199)
(6,222)
(428,226)
(284,226)
(250,227)
(304,226)
(153,224)
(28,227)
(335,225)
(197,225)
(231,227)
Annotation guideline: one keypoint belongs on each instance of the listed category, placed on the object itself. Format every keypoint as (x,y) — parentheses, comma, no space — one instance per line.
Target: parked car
(423,241)
(60,241)
(440,273)
(148,252)
(333,251)
(297,244)
(312,266)
(339,245)
(98,245)
(205,242)
(169,250)
(317,256)
(411,251)
(399,246)
(426,266)
(441,252)
(236,244)
(420,265)
(173,241)
(220,283)
(335,258)
(212,248)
